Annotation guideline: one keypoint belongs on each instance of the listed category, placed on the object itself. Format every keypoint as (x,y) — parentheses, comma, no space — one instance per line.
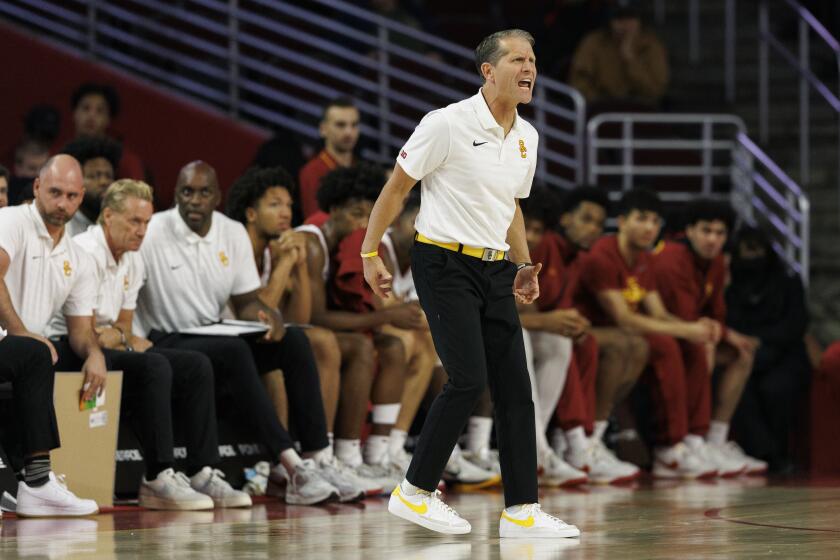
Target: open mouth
(525,84)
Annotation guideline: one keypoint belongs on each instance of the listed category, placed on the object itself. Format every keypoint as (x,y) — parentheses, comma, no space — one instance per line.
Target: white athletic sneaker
(171,491)
(678,461)
(211,482)
(487,459)
(601,464)
(466,474)
(350,487)
(429,511)
(7,503)
(371,484)
(307,486)
(401,461)
(53,499)
(379,475)
(531,522)
(753,466)
(556,472)
(726,465)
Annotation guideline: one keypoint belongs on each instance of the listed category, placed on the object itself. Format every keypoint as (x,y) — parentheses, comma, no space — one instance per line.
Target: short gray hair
(120,191)
(490,48)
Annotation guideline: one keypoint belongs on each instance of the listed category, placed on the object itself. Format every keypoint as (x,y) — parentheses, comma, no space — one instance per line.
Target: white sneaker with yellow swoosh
(428,510)
(531,522)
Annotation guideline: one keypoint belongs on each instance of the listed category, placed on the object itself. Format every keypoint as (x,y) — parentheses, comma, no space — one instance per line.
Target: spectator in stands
(691,276)
(27,363)
(4,187)
(196,261)
(94,107)
(30,156)
(340,130)
(153,378)
(261,200)
(617,288)
(42,123)
(99,157)
(32,290)
(766,301)
(622,64)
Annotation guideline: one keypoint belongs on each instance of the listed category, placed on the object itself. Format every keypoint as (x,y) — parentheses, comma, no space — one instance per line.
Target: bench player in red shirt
(691,276)
(617,292)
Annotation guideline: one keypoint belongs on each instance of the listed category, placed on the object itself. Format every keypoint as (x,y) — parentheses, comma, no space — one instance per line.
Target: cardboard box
(87,456)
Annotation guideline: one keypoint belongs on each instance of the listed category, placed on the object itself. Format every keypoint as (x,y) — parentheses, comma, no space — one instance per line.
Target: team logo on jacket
(125,283)
(633,293)
(223,258)
(523,151)
(67,269)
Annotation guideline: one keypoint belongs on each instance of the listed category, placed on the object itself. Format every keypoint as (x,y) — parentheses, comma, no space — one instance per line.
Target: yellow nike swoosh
(521,522)
(419,510)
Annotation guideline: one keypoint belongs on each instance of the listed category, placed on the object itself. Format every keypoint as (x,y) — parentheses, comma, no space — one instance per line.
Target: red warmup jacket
(690,287)
(602,269)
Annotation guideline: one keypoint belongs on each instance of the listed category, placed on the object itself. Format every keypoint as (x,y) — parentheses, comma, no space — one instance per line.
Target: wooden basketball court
(741,518)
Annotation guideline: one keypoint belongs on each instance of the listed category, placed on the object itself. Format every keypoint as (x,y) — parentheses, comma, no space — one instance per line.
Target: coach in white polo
(471,265)
(43,273)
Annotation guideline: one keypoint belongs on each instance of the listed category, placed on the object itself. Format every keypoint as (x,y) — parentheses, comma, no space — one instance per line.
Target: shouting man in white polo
(475,158)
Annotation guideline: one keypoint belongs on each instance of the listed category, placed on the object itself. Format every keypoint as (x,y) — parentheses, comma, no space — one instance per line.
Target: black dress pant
(155,382)
(26,363)
(475,326)
(238,364)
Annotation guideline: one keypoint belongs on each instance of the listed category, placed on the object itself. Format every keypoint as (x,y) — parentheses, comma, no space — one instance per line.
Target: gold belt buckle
(489,254)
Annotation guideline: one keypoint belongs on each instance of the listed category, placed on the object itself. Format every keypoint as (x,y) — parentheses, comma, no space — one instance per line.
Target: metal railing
(279,64)
(765,195)
(808,81)
(708,138)
(723,159)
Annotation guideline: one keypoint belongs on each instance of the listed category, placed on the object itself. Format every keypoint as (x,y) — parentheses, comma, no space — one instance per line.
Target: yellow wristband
(370,255)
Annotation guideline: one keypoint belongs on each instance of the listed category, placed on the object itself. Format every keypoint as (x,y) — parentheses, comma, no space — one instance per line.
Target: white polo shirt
(44,281)
(118,282)
(189,279)
(471,173)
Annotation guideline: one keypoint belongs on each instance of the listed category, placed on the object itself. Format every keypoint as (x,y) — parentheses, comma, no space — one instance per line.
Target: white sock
(349,451)
(577,439)
(396,443)
(321,456)
(693,441)
(376,448)
(513,510)
(718,432)
(478,433)
(409,489)
(600,429)
(290,460)
(558,441)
